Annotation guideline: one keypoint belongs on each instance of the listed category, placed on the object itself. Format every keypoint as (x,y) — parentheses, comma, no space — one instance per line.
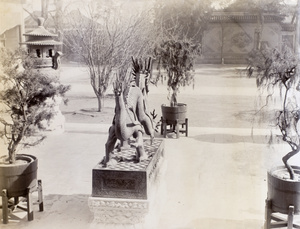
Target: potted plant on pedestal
(277,74)
(176,58)
(25,110)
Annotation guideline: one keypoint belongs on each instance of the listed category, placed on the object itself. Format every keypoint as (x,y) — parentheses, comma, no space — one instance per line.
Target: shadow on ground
(206,223)
(60,211)
(230,138)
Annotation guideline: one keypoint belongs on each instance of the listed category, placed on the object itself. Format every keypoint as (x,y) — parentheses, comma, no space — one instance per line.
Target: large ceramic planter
(17,178)
(171,114)
(174,117)
(283,192)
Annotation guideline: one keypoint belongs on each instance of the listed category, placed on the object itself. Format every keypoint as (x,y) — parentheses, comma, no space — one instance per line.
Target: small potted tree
(277,74)
(176,58)
(24,107)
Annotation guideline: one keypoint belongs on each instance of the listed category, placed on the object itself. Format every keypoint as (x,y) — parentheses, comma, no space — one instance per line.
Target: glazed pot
(283,192)
(17,178)
(171,114)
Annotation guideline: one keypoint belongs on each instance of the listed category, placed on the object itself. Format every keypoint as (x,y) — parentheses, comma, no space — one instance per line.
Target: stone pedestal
(124,192)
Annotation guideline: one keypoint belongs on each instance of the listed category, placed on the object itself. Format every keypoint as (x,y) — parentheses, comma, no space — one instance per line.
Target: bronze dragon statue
(131,113)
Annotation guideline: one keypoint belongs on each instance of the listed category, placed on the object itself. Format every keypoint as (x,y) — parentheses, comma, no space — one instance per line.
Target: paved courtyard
(215,178)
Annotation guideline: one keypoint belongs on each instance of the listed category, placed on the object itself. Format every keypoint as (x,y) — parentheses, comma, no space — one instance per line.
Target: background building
(230,36)
(11,23)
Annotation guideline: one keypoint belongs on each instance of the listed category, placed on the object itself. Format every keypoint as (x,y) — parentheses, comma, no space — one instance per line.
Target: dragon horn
(140,63)
(135,66)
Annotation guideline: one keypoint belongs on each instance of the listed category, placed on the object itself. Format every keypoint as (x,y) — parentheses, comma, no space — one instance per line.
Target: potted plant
(25,107)
(277,75)
(177,58)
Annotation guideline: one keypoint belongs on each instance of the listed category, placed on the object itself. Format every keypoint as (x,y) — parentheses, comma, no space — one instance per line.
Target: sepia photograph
(149,114)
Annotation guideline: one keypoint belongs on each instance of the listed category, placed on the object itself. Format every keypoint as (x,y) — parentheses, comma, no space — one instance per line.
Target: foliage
(180,26)
(177,58)
(271,6)
(182,19)
(24,100)
(106,39)
(278,71)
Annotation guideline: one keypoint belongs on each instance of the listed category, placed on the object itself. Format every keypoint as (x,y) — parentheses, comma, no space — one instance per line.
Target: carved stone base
(126,193)
(118,211)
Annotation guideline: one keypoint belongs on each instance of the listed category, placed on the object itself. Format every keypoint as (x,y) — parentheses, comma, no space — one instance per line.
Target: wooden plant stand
(279,222)
(176,126)
(8,206)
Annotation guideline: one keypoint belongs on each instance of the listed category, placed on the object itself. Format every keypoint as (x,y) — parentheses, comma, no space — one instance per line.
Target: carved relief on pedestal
(123,193)
(118,211)
(126,178)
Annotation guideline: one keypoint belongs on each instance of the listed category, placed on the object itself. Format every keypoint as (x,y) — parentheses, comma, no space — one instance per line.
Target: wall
(230,42)
(11,22)
(12,37)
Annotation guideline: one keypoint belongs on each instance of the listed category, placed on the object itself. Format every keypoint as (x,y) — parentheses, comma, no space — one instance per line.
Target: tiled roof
(218,18)
(288,27)
(40,31)
(242,17)
(43,42)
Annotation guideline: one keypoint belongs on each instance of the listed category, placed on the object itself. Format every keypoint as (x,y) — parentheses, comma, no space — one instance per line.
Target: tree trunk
(297,40)
(99,103)
(222,43)
(12,152)
(58,23)
(45,4)
(259,29)
(173,99)
(287,165)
